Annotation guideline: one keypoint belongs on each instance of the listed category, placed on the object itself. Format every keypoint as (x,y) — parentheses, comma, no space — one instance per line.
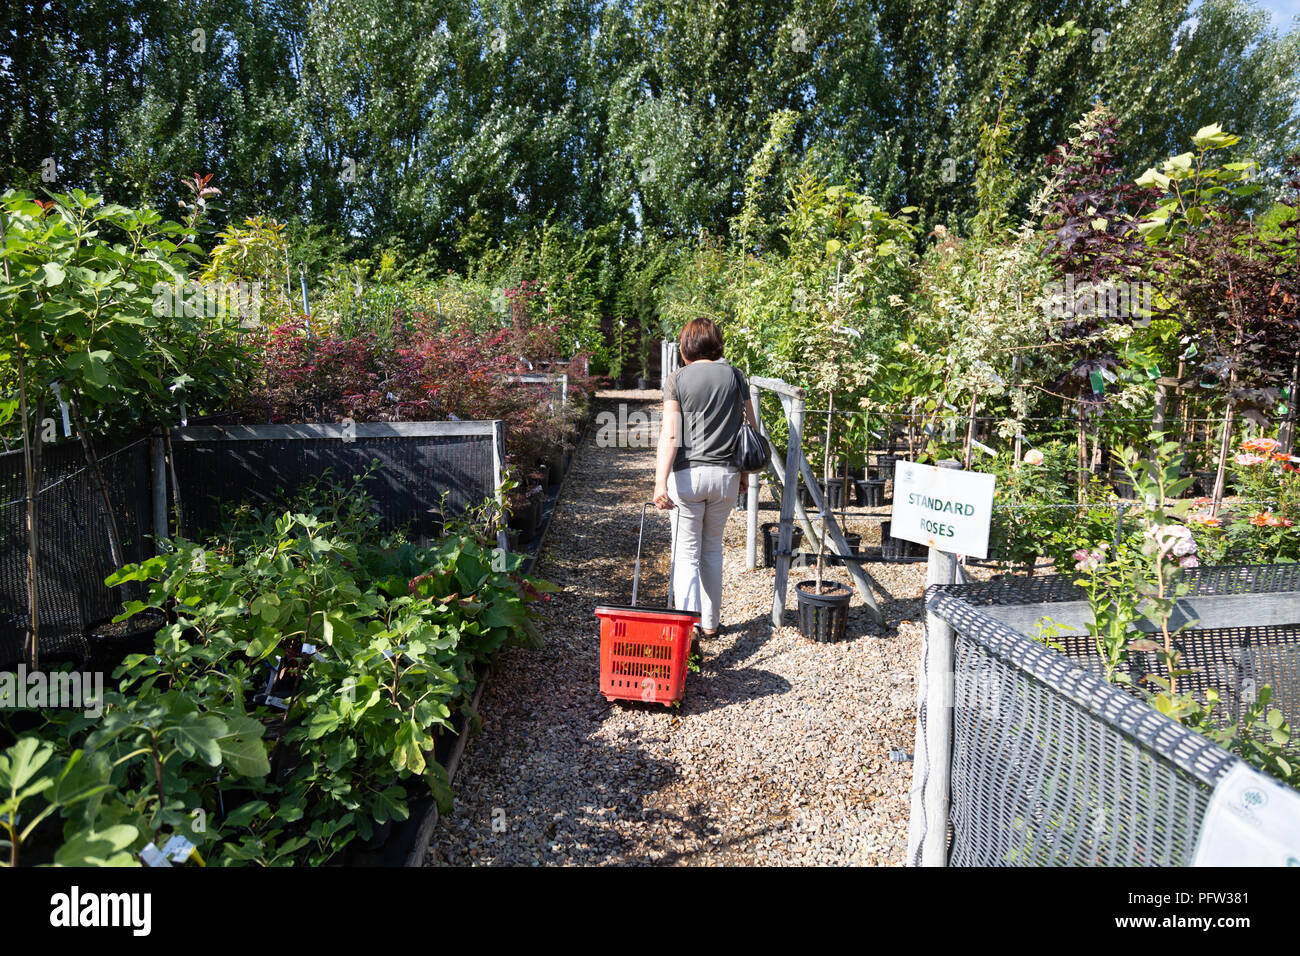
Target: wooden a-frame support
(787,476)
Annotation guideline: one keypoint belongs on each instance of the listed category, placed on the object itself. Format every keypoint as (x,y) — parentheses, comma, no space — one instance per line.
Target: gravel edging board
(779,754)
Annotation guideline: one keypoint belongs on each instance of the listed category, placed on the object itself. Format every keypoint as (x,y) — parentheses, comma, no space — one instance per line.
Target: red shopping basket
(643,650)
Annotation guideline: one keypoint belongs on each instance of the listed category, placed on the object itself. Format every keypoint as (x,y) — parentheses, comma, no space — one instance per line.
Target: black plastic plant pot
(885,466)
(823,616)
(525,519)
(896,549)
(1119,480)
(108,644)
(771,531)
(834,494)
(643,384)
(871,492)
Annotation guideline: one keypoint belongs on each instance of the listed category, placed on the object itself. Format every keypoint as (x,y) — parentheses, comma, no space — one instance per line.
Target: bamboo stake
(97,474)
(176,485)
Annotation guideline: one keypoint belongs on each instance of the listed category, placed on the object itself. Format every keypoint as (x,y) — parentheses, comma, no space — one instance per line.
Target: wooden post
(751,501)
(927,841)
(498,478)
(789,495)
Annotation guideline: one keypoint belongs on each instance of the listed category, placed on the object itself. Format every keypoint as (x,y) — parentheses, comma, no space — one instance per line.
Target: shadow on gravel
(723,679)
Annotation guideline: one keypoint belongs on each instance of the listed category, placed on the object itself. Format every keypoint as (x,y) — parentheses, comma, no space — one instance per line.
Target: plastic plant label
(1252,820)
(178,849)
(944,508)
(984,448)
(152,856)
(1098,383)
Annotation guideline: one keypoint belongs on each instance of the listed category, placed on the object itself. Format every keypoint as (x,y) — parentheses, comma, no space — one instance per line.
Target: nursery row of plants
(305,670)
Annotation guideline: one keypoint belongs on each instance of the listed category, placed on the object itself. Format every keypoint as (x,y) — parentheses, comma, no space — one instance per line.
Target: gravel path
(779,753)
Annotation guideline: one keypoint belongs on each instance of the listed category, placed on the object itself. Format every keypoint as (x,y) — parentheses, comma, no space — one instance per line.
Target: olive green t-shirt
(710,394)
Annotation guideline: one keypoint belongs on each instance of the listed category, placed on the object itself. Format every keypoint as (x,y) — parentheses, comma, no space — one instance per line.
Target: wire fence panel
(73,534)
(1053,765)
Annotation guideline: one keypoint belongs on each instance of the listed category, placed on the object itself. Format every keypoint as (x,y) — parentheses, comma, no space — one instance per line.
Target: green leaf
(99,847)
(52,274)
(21,762)
(196,736)
(242,751)
(244,814)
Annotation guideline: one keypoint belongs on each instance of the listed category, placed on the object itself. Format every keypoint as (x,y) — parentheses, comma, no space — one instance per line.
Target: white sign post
(943,508)
(949,510)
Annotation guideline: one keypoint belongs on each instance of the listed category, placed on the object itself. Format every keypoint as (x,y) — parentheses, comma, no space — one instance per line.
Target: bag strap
(740,397)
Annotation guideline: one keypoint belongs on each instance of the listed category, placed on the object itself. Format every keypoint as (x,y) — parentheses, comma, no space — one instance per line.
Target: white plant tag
(1252,820)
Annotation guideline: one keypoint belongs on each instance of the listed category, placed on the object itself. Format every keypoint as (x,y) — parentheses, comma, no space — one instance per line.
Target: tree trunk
(1225,440)
(1287,434)
(1081,451)
(176,485)
(31,478)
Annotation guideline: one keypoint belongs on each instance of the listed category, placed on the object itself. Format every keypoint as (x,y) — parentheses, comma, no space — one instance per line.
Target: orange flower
(1260,520)
(1206,519)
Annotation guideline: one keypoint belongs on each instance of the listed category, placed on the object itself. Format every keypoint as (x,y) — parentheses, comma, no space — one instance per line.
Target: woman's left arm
(667,452)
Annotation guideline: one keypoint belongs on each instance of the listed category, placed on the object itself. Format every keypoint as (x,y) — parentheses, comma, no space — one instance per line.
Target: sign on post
(942,508)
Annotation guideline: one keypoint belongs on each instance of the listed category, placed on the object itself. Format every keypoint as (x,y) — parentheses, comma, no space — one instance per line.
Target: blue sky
(1284,11)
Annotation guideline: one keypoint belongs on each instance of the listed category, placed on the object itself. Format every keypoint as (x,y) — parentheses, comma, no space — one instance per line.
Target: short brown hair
(700,339)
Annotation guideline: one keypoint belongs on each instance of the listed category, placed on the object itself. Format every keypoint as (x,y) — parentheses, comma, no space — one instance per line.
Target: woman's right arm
(667,451)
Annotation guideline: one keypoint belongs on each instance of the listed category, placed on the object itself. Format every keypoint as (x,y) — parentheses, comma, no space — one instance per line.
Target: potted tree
(823,605)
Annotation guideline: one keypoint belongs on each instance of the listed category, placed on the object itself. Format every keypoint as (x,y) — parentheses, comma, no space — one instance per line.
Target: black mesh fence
(417,481)
(1053,765)
(409,478)
(75,556)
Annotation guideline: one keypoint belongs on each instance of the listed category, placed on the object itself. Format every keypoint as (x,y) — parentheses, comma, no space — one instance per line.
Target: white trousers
(704,496)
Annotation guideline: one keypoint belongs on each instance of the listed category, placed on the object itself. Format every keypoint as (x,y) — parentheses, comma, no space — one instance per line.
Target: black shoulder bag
(751,451)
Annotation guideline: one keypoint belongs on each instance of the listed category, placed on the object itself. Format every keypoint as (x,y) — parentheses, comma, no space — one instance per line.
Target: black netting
(74,544)
(1042,589)
(1235,661)
(408,485)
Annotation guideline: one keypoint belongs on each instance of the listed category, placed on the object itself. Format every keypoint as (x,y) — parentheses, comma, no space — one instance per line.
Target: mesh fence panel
(74,545)
(1052,765)
(408,484)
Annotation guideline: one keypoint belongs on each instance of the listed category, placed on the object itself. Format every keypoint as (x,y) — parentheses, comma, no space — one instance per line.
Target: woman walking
(694,473)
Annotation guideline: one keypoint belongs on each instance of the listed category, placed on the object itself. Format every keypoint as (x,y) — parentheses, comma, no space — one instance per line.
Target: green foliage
(90,305)
(1145,582)
(370,647)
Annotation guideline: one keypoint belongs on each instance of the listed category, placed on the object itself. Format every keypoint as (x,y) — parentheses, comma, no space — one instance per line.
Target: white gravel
(779,753)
